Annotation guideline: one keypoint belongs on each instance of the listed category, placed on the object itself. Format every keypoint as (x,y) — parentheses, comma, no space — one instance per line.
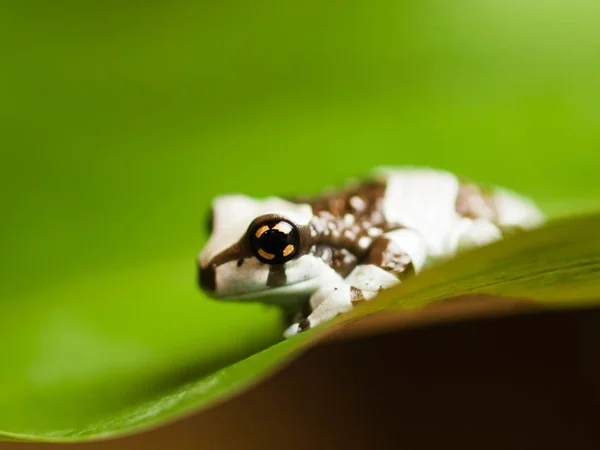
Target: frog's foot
(392,257)
(328,303)
(291,331)
(296,328)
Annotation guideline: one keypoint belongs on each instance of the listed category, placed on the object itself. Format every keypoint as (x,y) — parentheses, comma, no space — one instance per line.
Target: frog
(318,256)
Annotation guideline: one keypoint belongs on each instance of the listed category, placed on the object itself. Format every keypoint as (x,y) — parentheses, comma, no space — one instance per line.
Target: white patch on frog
(234,213)
(232,280)
(516,210)
(370,278)
(303,276)
(411,243)
(323,223)
(424,200)
(358,204)
(334,299)
(374,232)
(470,233)
(364,242)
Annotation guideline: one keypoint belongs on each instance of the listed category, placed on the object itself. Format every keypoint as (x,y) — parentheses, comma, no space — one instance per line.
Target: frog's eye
(274,240)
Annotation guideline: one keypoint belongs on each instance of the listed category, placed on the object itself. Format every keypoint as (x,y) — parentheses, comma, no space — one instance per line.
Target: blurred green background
(120,120)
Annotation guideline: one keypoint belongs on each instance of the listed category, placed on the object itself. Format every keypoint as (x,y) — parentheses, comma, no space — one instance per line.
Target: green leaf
(556,266)
(120,123)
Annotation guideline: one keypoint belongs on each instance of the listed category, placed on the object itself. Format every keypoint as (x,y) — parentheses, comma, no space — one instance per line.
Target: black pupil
(276,242)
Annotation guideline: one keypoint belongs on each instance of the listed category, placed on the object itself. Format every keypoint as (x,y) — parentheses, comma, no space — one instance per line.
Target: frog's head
(258,247)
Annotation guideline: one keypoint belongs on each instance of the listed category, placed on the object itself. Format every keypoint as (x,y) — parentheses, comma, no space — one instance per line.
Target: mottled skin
(344,247)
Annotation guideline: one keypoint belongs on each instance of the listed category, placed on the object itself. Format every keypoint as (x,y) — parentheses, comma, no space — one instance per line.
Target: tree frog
(324,254)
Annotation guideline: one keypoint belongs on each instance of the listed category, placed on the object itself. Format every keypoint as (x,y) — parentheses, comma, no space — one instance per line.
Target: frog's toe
(291,331)
(303,325)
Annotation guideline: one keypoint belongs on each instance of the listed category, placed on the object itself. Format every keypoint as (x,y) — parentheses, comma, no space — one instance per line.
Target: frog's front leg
(391,257)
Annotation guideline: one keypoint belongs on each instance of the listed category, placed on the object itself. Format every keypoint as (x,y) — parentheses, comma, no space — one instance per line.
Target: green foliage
(120,121)
(556,266)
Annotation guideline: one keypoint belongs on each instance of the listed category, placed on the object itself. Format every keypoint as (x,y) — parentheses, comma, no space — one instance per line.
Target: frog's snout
(207,278)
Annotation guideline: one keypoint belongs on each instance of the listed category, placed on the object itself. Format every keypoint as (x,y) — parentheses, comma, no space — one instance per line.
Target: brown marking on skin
(237,251)
(474,202)
(207,278)
(342,222)
(277,276)
(304,325)
(341,203)
(339,259)
(265,255)
(289,249)
(356,295)
(262,230)
(390,257)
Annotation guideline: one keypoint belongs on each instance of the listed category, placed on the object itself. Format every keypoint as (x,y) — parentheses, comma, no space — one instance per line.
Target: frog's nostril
(207,278)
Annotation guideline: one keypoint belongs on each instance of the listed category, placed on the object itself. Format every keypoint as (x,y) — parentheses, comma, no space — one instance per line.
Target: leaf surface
(555,266)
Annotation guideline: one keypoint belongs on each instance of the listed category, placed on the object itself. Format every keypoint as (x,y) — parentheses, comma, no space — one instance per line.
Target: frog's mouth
(302,278)
(207,281)
(300,288)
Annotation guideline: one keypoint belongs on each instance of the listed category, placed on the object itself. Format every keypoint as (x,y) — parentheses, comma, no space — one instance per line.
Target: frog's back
(438,204)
